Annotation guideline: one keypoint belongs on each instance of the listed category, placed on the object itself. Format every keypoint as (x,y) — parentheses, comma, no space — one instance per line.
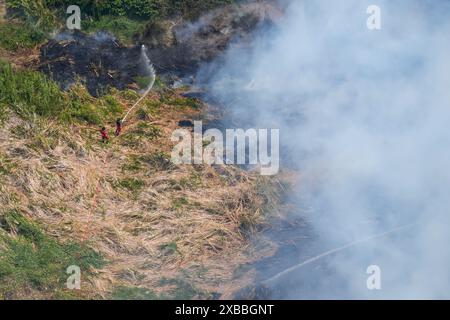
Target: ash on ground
(98,61)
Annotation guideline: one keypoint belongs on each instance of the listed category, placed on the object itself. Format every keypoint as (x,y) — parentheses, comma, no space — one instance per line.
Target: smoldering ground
(363,116)
(99,61)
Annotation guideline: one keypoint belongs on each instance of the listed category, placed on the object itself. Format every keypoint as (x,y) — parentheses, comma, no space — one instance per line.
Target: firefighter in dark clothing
(118,127)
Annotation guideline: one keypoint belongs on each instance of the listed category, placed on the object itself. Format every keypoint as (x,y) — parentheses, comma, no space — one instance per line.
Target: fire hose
(149,88)
(278,276)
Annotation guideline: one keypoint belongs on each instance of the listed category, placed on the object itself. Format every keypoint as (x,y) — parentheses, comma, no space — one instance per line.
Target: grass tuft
(133,185)
(15,36)
(29,92)
(131,293)
(122,27)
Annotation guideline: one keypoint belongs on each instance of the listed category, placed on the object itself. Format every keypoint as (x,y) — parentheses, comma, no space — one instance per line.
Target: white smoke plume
(365,116)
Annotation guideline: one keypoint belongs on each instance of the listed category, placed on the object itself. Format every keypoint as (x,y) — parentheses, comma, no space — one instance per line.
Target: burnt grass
(99,61)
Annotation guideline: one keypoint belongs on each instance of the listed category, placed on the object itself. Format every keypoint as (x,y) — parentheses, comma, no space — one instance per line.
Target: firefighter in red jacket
(105,137)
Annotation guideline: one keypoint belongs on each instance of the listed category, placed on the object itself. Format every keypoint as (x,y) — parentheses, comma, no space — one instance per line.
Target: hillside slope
(137,226)
(154,229)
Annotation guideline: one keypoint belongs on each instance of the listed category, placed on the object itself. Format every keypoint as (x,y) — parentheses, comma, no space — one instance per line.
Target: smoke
(363,117)
(186,31)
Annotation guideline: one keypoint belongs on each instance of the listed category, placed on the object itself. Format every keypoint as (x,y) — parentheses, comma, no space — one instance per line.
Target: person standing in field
(104,133)
(118,127)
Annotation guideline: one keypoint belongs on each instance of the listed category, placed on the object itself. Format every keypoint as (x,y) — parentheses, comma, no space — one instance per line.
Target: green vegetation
(180,101)
(14,36)
(125,18)
(149,109)
(132,184)
(179,203)
(137,9)
(38,14)
(39,134)
(6,165)
(159,161)
(133,164)
(30,259)
(180,289)
(122,27)
(29,92)
(136,136)
(130,293)
(169,248)
(85,108)
(146,130)
(3,112)
(143,82)
(126,94)
(192,182)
